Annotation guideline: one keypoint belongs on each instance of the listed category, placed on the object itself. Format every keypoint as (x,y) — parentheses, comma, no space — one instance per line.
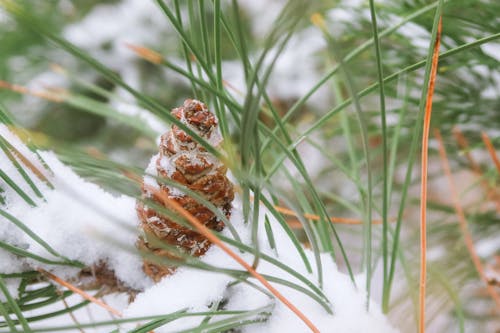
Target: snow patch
(196,290)
(78,220)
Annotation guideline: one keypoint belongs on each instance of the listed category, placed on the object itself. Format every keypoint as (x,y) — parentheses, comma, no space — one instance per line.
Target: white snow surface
(81,221)
(197,290)
(78,220)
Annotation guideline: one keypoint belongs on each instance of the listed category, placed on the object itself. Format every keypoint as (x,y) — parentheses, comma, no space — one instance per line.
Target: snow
(81,221)
(297,69)
(417,35)
(197,290)
(263,13)
(78,220)
(492,49)
(12,286)
(130,109)
(136,17)
(487,247)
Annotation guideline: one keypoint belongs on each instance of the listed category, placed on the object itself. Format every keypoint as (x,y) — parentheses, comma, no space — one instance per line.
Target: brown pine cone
(183,160)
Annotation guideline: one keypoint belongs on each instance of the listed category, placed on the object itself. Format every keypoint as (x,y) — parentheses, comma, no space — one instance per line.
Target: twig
(146,53)
(72,315)
(491,191)
(340,220)
(463,220)
(491,150)
(464,144)
(56,98)
(423,190)
(27,162)
(80,292)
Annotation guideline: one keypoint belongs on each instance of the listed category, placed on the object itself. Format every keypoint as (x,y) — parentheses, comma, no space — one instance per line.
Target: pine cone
(183,160)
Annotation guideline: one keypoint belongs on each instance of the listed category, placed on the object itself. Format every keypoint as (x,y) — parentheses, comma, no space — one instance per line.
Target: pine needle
(333,219)
(47,95)
(423,191)
(146,53)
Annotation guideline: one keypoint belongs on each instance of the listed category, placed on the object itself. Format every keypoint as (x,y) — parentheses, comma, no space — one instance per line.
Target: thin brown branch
(146,53)
(463,220)
(50,96)
(423,171)
(340,220)
(491,191)
(80,292)
(232,87)
(72,315)
(463,143)
(29,164)
(491,150)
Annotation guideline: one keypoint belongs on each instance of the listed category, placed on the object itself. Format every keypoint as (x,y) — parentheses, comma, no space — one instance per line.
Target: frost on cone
(183,160)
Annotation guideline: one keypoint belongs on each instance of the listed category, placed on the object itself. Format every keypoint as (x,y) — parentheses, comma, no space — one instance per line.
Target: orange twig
(202,229)
(423,190)
(491,150)
(23,90)
(29,165)
(463,221)
(341,220)
(294,224)
(80,292)
(146,53)
(463,143)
